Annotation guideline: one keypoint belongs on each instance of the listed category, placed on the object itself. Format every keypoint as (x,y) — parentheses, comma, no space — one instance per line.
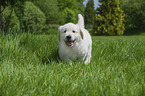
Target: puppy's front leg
(88,59)
(68,61)
(88,56)
(63,58)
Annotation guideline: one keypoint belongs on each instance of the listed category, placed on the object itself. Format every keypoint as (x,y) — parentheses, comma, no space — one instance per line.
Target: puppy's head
(70,34)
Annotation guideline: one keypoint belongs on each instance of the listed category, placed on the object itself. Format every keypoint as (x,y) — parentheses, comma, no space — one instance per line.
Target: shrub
(69,15)
(109,18)
(33,19)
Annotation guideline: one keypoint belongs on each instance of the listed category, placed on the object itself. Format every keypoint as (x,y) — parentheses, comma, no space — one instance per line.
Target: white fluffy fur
(82,46)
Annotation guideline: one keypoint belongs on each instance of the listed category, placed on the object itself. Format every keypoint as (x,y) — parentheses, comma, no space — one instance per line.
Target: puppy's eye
(73,31)
(64,31)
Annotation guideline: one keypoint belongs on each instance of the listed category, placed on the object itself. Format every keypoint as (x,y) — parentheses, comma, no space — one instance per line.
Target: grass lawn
(29,65)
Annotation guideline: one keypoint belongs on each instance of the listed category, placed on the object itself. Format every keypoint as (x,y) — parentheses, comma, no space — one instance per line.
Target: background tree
(50,9)
(14,24)
(89,14)
(5,20)
(69,15)
(73,7)
(81,7)
(134,14)
(109,18)
(33,19)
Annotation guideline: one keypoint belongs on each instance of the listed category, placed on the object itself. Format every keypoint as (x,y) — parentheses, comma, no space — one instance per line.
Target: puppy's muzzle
(69,42)
(68,37)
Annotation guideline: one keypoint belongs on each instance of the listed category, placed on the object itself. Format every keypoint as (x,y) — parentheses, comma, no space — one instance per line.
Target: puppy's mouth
(70,43)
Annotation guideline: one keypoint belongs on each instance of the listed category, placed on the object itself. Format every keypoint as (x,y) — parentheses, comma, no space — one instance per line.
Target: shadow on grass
(53,57)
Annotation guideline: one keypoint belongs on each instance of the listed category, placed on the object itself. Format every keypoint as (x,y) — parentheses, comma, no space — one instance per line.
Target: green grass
(29,65)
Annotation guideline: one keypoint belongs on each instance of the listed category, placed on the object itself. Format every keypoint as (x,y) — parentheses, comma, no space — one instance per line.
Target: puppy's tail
(80,21)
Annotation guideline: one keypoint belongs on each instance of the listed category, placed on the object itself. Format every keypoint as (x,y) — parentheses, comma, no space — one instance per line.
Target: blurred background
(102,17)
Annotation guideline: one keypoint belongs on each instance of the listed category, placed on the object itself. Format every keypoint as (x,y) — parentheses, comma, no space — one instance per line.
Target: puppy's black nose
(68,37)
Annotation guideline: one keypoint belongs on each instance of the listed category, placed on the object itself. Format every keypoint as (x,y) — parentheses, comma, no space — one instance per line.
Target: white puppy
(75,43)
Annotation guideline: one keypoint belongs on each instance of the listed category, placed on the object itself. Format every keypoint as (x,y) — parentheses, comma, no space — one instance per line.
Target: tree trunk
(1,21)
(5,23)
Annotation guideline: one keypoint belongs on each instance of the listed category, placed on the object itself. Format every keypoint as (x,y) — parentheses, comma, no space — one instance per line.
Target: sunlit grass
(29,65)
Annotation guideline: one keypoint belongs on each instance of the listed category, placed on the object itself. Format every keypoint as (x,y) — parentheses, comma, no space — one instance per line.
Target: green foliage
(134,14)
(71,4)
(5,3)
(29,65)
(5,23)
(109,19)
(68,7)
(80,6)
(89,14)
(33,19)
(53,12)
(75,5)
(50,9)
(59,11)
(12,18)
(8,2)
(15,24)
(69,16)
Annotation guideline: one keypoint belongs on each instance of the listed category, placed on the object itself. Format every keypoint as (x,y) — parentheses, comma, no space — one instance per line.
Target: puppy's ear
(82,34)
(60,28)
(80,21)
